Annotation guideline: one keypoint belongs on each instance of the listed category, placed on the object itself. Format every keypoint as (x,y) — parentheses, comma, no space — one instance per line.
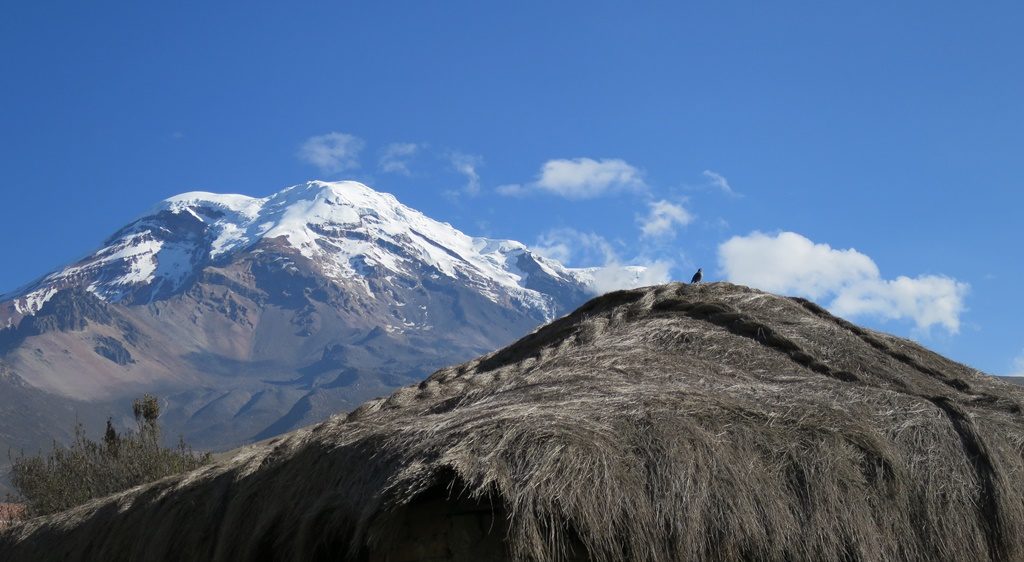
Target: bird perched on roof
(699,276)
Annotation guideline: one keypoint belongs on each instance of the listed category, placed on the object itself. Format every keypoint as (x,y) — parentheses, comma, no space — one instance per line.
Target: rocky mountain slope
(677,422)
(253,316)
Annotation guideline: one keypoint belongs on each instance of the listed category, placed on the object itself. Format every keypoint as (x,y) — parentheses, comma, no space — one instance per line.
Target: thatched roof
(10,513)
(679,422)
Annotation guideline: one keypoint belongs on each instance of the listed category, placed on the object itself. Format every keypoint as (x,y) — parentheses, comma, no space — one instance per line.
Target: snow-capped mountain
(254,315)
(347,230)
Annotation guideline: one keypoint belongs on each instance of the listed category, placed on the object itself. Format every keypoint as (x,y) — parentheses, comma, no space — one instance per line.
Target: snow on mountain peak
(242,204)
(335,222)
(346,228)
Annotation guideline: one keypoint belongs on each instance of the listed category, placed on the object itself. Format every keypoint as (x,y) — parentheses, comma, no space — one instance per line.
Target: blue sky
(738,137)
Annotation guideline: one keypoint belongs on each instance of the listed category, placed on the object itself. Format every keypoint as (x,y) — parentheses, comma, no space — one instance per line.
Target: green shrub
(70,476)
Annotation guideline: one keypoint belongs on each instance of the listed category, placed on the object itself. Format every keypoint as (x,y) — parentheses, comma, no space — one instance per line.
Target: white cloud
(927,299)
(613,277)
(662,218)
(333,152)
(394,159)
(571,246)
(582,178)
(512,189)
(466,164)
(1018,366)
(719,182)
(792,264)
(602,264)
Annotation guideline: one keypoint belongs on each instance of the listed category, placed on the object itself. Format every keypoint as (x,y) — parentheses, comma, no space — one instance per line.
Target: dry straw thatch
(679,422)
(11,513)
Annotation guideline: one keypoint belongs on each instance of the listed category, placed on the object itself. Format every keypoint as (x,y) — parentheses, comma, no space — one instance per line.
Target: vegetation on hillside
(87,469)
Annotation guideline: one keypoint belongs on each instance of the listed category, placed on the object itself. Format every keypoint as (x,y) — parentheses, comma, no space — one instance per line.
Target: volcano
(251,316)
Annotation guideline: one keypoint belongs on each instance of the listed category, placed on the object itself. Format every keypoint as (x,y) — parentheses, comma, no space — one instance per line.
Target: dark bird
(697,277)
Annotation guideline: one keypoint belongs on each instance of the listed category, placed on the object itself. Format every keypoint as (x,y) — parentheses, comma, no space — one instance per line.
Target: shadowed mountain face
(251,317)
(679,422)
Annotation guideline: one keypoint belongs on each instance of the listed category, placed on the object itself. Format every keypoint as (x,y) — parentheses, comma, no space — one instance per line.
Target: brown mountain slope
(679,422)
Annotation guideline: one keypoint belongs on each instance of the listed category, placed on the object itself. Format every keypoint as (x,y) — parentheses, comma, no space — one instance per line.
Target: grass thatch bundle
(680,422)
(11,513)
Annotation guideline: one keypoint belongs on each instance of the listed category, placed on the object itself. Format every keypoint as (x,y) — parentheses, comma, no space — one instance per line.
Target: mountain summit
(344,232)
(253,316)
(676,422)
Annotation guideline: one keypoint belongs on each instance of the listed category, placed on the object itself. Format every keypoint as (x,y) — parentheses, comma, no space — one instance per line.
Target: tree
(69,476)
